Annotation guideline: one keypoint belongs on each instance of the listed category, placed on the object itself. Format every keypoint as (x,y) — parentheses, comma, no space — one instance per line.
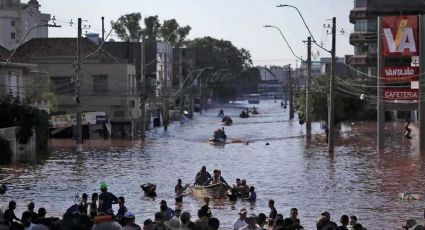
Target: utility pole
(291,95)
(331,109)
(421,86)
(307,92)
(143,91)
(380,102)
(103,29)
(181,80)
(78,129)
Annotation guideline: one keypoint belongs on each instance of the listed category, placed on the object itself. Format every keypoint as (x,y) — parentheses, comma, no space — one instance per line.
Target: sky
(239,21)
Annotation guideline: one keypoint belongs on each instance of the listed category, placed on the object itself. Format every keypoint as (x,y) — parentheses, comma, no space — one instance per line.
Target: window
(365,25)
(100,84)
(12,36)
(62,85)
(13,23)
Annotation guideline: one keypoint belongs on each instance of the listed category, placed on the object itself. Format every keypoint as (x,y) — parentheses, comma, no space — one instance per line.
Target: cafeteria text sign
(399,36)
(402,94)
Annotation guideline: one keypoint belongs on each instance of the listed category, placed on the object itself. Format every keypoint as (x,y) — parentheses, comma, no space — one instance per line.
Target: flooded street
(355,181)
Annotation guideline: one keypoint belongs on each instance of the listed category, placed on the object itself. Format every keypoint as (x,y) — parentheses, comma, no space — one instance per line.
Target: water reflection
(355,180)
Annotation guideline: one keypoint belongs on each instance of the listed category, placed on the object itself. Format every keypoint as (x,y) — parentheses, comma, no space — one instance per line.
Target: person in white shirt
(240,222)
(251,220)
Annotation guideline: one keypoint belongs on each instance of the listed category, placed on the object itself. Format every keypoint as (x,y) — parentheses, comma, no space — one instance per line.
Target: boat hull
(217,141)
(215,191)
(226,123)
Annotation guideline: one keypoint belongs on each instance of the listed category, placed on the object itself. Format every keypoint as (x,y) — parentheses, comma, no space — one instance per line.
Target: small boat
(410,196)
(215,191)
(217,141)
(227,123)
(149,189)
(244,114)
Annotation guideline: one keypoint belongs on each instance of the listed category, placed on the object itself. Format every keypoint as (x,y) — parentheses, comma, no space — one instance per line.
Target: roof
(4,53)
(60,47)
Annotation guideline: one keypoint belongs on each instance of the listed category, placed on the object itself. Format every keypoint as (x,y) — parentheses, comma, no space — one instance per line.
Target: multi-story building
(16,19)
(108,84)
(364,16)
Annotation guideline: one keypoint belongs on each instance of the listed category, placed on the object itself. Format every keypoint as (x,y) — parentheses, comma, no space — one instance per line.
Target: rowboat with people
(216,191)
(219,137)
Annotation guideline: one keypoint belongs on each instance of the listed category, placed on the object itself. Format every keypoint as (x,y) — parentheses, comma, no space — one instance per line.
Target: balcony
(363,60)
(363,37)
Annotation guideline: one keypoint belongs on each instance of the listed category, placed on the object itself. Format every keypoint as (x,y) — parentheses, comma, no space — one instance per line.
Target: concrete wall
(20,152)
(121,89)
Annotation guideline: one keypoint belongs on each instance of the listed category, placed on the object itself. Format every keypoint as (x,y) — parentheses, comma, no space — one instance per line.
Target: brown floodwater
(354,181)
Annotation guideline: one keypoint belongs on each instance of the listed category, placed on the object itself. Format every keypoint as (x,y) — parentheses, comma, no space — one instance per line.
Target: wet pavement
(355,181)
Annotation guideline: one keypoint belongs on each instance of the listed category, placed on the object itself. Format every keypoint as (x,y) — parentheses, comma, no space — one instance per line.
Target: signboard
(402,94)
(400,74)
(400,36)
(63,121)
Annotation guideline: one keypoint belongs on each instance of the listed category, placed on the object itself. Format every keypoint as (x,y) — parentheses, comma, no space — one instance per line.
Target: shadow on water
(354,181)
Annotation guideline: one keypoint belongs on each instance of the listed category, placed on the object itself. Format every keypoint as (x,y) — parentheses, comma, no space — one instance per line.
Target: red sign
(400,74)
(399,36)
(402,94)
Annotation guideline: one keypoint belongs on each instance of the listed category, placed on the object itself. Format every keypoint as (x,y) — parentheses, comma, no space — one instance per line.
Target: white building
(164,68)
(17,18)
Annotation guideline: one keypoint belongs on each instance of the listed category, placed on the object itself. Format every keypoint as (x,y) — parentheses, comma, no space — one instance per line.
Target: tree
(152,27)
(347,106)
(128,27)
(171,32)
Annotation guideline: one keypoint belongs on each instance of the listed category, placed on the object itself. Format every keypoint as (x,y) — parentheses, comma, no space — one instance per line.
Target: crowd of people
(98,214)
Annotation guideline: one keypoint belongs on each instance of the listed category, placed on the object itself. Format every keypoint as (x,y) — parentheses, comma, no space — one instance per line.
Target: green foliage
(27,118)
(220,54)
(347,107)
(171,32)
(128,27)
(152,27)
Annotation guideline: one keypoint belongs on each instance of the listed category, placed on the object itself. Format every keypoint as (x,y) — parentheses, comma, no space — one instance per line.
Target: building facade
(364,16)
(16,19)
(107,85)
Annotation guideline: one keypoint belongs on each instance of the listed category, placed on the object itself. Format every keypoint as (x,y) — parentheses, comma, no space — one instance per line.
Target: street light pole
(331,113)
(308,99)
(331,107)
(78,129)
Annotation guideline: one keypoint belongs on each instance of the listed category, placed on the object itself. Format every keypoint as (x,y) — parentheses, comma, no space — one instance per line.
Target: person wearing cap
(216,179)
(202,176)
(173,224)
(251,221)
(106,199)
(240,222)
(129,220)
(166,211)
